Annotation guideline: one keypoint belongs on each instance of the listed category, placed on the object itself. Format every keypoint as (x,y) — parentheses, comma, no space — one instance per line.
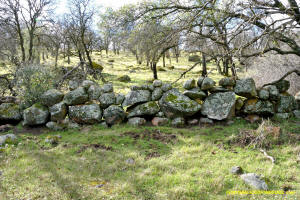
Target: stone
(107,88)
(296,113)
(124,79)
(254,181)
(160,114)
(136,121)
(145,109)
(189,84)
(174,104)
(219,106)
(114,115)
(37,114)
(282,116)
(178,122)
(157,83)
(217,89)
(239,103)
(7,138)
(236,170)
(55,126)
(51,97)
(73,85)
(130,161)
(150,87)
(204,120)
(85,114)
(119,99)
(195,93)
(166,87)
(76,97)
(58,112)
(159,121)
(107,99)
(136,97)
(286,103)
(86,84)
(227,82)
(94,92)
(200,80)
(297,98)
(273,92)
(245,88)
(157,94)
(260,107)
(282,86)
(10,112)
(207,83)
(193,122)
(263,94)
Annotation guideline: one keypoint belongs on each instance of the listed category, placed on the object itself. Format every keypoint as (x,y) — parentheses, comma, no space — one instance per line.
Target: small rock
(189,84)
(107,88)
(236,170)
(254,181)
(160,114)
(94,92)
(225,82)
(124,78)
(286,103)
(157,83)
(114,115)
(137,96)
(157,94)
(10,112)
(200,80)
(229,122)
(263,94)
(297,113)
(58,111)
(166,87)
(245,88)
(207,84)
(282,116)
(273,92)
(195,93)
(218,89)
(136,121)
(73,85)
(6,127)
(5,138)
(282,85)
(107,99)
(239,103)
(193,122)
(206,121)
(55,126)
(159,121)
(130,161)
(86,84)
(76,97)
(178,122)
(119,99)
(51,97)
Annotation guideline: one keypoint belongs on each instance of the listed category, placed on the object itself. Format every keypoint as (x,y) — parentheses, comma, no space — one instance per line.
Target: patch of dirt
(38,130)
(155,135)
(94,146)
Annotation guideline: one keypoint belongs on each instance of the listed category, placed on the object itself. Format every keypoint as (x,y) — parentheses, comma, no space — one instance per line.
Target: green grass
(194,165)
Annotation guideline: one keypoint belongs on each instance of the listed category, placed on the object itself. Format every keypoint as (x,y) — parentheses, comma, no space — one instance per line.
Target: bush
(32,81)
(271,67)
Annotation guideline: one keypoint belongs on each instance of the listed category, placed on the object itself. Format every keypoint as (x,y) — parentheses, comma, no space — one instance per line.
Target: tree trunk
(56,55)
(30,50)
(43,56)
(154,70)
(164,60)
(204,69)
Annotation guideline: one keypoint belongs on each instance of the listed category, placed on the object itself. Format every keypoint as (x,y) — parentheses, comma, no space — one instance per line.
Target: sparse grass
(193,165)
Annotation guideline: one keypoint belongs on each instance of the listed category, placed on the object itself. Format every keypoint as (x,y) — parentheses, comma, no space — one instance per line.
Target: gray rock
(193,122)
(178,122)
(76,97)
(73,85)
(239,103)
(6,127)
(150,87)
(7,137)
(55,126)
(207,83)
(37,114)
(136,121)
(245,88)
(282,116)
(58,111)
(86,84)
(94,92)
(264,94)
(195,93)
(174,104)
(107,88)
(286,104)
(107,99)
(189,84)
(124,78)
(297,98)
(166,87)
(160,114)
(282,85)
(227,82)
(157,83)
(204,120)
(296,113)
(119,99)
(254,181)
(157,94)
(130,161)
(200,80)
(135,97)
(69,124)
(10,112)
(260,107)
(114,115)
(217,89)
(219,106)
(145,109)
(237,170)
(51,97)
(85,114)
(159,121)
(273,92)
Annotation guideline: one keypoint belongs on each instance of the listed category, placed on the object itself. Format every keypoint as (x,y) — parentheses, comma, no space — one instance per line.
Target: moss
(39,106)
(171,97)
(97,66)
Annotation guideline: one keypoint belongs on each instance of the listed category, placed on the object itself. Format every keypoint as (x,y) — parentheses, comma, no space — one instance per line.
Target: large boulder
(10,112)
(107,99)
(219,106)
(58,111)
(227,82)
(286,103)
(207,83)
(282,85)
(136,97)
(94,92)
(85,114)
(76,97)
(52,97)
(260,107)
(145,109)
(189,84)
(195,93)
(174,104)
(114,115)
(35,115)
(245,88)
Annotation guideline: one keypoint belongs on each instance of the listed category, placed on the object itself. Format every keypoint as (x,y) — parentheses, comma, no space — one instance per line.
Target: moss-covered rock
(58,111)
(10,112)
(52,97)
(114,115)
(286,104)
(85,114)
(260,107)
(76,97)
(107,99)
(245,88)
(124,78)
(37,114)
(136,97)
(145,109)
(195,93)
